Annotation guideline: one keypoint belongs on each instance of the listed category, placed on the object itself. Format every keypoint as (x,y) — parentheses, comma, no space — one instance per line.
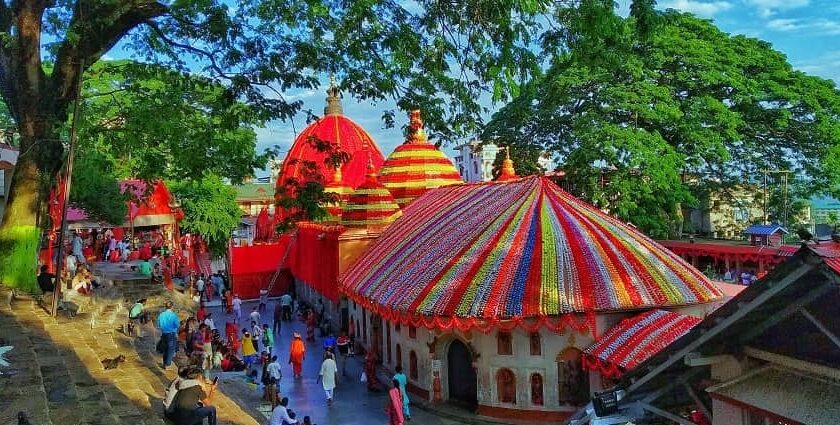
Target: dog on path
(113,363)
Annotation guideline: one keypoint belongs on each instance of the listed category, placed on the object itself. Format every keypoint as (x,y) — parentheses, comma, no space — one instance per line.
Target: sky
(807,31)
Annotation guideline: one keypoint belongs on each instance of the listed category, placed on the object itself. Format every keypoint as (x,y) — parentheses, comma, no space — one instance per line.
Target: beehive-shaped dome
(342,192)
(371,205)
(416,166)
(340,131)
(477,254)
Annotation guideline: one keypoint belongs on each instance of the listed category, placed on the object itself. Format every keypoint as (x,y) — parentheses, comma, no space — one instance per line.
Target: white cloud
(826,65)
(811,26)
(705,9)
(767,8)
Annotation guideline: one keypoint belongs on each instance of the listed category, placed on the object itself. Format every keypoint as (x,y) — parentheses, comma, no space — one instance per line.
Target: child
(237,307)
(263,299)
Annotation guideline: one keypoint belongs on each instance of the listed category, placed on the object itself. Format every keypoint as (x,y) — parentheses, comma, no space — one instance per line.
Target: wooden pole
(66,195)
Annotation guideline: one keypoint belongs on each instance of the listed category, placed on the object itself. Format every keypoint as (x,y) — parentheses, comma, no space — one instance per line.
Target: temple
(506,297)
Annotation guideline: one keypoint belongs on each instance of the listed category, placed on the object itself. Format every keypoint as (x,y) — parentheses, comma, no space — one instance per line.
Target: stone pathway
(56,376)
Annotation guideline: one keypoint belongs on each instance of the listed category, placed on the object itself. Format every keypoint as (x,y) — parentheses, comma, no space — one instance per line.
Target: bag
(161,345)
(364,378)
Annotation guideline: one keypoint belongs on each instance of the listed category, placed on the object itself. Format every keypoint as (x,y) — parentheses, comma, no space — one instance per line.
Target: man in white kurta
(328,377)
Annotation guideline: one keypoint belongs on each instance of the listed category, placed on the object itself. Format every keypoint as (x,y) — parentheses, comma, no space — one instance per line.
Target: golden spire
(337,175)
(508,172)
(371,169)
(333,99)
(416,134)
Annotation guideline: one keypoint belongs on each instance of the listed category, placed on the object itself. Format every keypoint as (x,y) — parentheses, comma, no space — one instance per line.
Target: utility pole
(65,197)
(784,174)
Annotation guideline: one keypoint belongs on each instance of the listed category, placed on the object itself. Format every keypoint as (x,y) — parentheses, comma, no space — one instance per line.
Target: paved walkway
(56,375)
(352,404)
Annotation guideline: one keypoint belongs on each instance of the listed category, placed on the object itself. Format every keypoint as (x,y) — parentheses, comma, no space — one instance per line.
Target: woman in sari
(394,405)
(311,321)
(370,370)
(297,353)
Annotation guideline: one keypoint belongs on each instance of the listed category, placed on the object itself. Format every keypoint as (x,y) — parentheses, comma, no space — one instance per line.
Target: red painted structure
(730,256)
(252,267)
(347,135)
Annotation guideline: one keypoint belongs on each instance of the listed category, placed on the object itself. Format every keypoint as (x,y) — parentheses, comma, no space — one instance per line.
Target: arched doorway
(463,387)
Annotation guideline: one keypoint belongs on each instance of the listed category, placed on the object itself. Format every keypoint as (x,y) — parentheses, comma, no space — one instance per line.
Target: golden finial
(508,172)
(333,98)
(416,134)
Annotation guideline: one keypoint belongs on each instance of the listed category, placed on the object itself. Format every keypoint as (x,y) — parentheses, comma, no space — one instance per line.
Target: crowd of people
(744,277)
(248,349)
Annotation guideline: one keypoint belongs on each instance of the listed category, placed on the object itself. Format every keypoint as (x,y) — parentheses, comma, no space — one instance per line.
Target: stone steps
(56,375)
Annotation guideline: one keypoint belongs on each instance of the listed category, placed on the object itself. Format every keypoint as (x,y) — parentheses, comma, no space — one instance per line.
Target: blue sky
(807,31)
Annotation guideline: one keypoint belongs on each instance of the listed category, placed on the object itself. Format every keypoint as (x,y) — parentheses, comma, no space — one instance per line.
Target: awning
(635,340)
(783,395)
(151,220)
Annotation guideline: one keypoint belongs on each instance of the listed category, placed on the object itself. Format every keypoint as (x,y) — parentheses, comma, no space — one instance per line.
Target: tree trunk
(19,235)
(19,232)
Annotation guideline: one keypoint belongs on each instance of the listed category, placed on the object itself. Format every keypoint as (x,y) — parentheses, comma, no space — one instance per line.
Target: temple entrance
(463,387)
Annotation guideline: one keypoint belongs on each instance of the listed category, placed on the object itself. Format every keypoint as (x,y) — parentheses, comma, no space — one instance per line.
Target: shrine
(506,298)
(493,310)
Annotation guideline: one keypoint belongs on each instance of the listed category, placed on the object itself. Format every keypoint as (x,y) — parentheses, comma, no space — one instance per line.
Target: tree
(633,120)
(305,198)
(210,209)
(436,56)
(525,160)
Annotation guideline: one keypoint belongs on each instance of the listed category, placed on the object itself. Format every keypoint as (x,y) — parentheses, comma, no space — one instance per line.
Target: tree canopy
(210,209)
(438,56)
(633,120)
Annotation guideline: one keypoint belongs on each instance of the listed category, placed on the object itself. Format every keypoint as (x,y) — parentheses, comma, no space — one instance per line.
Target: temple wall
(553,347)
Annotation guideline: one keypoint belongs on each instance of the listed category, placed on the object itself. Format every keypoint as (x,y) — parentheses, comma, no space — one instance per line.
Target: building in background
(253,197)
(8,159)
(475,161)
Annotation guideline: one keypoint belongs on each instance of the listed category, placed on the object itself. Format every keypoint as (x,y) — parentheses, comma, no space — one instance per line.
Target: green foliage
(95,188)
(210,209)
(153,122)
(305,198)
(525,161)
(629,117)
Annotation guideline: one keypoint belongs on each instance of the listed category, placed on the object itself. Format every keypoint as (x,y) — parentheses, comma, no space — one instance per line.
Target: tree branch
(96,30)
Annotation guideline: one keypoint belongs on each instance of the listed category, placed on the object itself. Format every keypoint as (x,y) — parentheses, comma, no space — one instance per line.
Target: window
(412,365)
(506,386)
(412,332)
(504,343)
(534,339)
(397,327)
(475,168)
(536,389)
(573,382)
(399,356)
(354,306)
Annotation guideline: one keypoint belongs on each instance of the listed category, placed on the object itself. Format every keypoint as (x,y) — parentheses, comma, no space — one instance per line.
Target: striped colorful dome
(342,192)
(416,166)
(339,130)
(370,205)
(475,254)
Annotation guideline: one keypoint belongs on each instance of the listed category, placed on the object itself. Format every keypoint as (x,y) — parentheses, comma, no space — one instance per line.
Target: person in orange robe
(296,354)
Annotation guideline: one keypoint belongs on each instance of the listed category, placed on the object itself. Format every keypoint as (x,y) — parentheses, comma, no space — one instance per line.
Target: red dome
(335,128)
